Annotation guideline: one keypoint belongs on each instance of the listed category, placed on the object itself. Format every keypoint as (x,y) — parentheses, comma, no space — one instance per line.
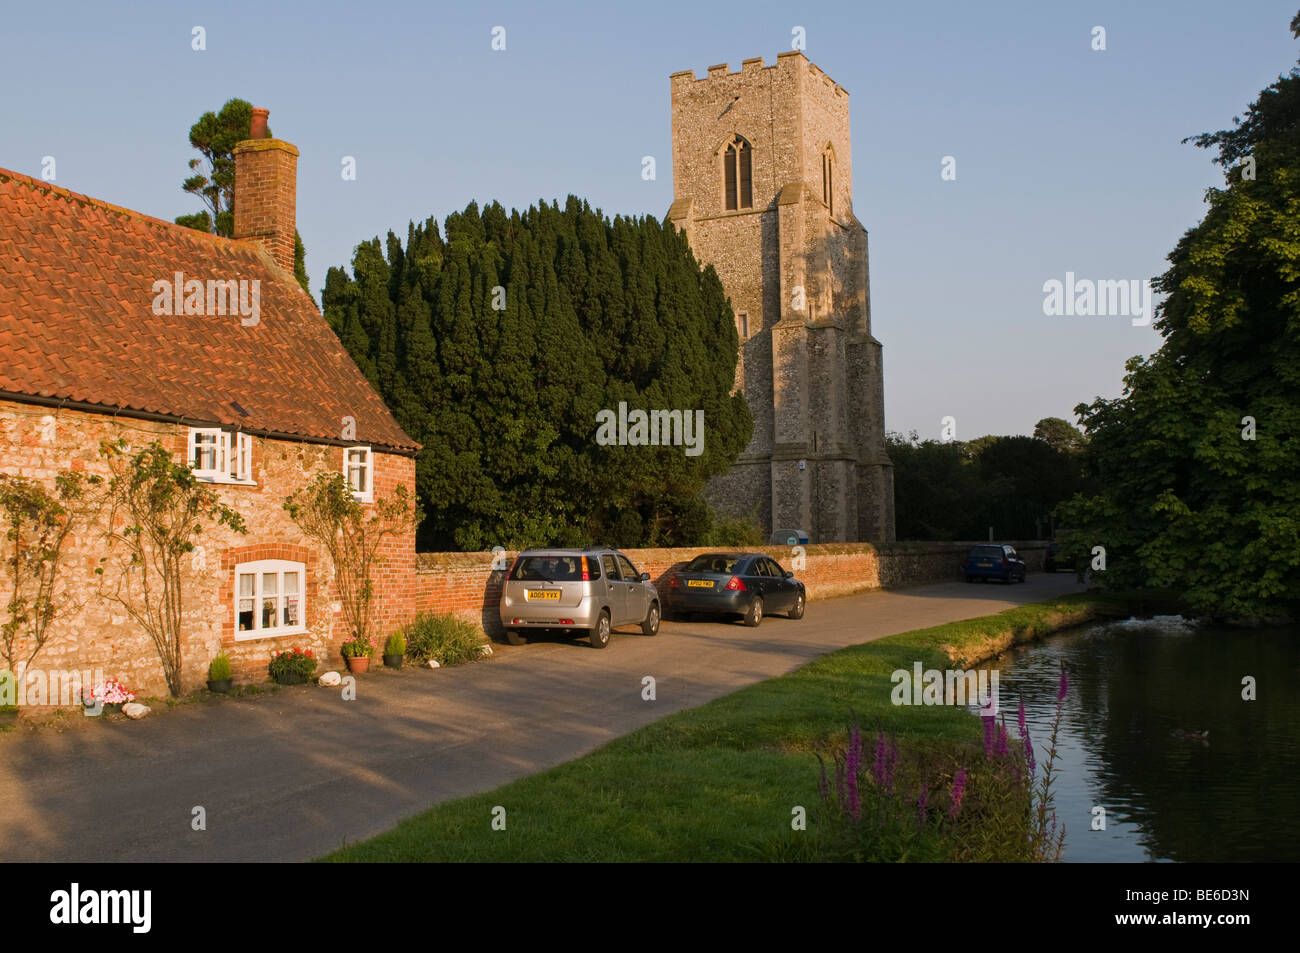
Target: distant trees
(497,346)
(956,490)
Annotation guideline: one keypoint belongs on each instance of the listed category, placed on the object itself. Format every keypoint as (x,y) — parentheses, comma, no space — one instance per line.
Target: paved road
(291,776)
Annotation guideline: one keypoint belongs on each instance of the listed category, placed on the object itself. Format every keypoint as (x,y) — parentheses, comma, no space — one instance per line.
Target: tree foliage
(215,136)
(36,526)
(954,490)
(326,511)
(1197,463)
(157,509)
(496,347)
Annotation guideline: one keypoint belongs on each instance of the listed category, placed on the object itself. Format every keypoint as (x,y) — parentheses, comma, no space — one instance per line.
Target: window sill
(256,634)
(224,480)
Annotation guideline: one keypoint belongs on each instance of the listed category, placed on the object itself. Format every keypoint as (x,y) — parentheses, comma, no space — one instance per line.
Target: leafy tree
(215,136)
(326,512)
(1197,463)
(496,347)
(1059,434)
(36,526)
(157,510)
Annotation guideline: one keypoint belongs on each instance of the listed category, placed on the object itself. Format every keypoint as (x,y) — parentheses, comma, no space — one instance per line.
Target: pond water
(1141,693)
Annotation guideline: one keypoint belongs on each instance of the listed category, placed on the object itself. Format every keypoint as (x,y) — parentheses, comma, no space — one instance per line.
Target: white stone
(135,711)
(331,678)
(485,649)
(433,663)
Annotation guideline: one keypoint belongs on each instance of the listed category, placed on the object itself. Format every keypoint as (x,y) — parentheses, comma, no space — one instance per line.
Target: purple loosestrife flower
(922,803)
(852,762)
(890,765)
(990,723)
(878,766)
(1000,748)
(958,792)
(1029,755)
(1020,717)
(1063,687)
(839,783)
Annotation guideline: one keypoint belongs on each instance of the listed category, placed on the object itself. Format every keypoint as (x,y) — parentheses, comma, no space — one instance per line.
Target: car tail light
(516,621)
(566,622)
(735,585)
(585,576)
(672,581)
(1005,564)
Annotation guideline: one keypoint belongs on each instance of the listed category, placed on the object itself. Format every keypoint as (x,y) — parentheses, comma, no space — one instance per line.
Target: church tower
(762,185)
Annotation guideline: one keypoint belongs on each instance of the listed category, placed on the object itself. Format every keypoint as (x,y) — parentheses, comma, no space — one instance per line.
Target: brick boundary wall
(466,584)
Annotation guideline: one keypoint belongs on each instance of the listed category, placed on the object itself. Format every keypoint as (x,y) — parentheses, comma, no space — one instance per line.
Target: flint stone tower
(762,185)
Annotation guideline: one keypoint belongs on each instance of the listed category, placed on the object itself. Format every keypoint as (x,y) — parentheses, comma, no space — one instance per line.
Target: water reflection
(1142,693)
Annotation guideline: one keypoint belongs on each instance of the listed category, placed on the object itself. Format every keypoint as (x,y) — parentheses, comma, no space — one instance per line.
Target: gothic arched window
(738,174)
(828,177)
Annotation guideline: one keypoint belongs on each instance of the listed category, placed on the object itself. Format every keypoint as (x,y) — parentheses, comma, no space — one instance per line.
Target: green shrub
(447,639)
(396,644)
(736,531)
(219,668)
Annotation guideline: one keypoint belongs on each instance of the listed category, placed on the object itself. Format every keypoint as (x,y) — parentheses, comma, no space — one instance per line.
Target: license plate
(700,583)
(984,565)
(542,595)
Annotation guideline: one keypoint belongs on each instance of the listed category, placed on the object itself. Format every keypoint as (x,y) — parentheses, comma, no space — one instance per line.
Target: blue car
(994,561)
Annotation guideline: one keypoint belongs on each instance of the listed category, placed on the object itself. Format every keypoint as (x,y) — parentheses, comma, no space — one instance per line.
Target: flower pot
(115,708)
(290,678)
(220,686)
(358,664)
(393,661)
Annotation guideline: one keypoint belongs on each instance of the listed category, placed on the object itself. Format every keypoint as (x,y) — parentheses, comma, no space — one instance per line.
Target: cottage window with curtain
(359,471)
(269,598)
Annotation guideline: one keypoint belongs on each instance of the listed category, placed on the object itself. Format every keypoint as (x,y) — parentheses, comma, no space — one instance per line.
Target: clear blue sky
(1067,159)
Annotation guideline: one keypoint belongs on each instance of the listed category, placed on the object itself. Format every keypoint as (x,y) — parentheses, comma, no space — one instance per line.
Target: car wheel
(515,637)
(651,624)
(755,614)
(600,634)
(797,611)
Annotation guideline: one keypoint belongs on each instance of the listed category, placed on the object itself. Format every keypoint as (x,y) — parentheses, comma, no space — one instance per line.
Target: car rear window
(713,563)
(553,569)
(985,551)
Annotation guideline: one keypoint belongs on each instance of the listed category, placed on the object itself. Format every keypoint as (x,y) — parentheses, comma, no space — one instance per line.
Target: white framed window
(359,471)
(269,598)
(220,456)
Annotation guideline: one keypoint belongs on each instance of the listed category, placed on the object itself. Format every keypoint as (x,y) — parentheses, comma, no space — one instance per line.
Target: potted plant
(220,676)
(357,655)
(292,667)
(394,649)
(111,692)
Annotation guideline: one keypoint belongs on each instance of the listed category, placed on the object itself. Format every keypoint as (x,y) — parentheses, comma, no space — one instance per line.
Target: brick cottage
(113,325)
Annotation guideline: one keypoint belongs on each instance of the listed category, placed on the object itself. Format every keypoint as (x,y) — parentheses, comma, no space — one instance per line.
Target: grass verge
(719,782)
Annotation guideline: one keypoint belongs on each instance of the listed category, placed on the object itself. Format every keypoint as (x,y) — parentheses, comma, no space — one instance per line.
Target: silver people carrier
(583,591)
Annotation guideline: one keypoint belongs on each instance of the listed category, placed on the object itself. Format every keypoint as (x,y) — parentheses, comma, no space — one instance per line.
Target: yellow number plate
(544,595)
(700,583)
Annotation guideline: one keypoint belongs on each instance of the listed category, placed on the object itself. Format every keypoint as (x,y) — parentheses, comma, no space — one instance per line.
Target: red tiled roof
(77,324)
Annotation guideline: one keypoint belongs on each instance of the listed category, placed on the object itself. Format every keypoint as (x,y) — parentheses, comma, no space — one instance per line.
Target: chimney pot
(257,128)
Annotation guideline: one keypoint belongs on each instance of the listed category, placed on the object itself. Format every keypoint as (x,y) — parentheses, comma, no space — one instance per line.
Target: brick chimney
(266,191)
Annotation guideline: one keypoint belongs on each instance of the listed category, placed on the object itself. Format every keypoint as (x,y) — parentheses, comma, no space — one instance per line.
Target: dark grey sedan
(749,585)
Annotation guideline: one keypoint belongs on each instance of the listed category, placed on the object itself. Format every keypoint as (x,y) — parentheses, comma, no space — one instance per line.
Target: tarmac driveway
(291,776)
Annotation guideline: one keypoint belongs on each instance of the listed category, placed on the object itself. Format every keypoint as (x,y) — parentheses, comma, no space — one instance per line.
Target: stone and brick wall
(467,584)
(93,632)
